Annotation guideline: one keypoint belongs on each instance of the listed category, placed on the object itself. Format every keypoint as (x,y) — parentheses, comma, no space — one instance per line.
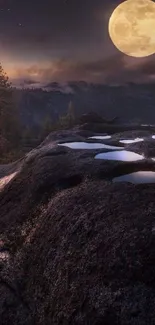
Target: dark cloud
(148,67)
(29,82)
(64,40)
(62,70)
(116,68)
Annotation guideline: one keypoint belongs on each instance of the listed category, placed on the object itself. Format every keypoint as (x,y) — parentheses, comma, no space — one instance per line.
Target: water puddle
(86,145)
(131,140)
(100,137)
(122,155)
(147,124)
(137,177)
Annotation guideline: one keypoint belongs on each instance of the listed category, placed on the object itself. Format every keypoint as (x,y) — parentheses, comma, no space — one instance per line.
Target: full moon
(132,27)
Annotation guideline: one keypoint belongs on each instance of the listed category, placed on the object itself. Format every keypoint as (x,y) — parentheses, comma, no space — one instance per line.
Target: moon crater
(132,27)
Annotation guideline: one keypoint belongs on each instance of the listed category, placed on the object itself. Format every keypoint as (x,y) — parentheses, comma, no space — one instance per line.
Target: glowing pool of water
(122,155)
(147,124)
(131,140)
(137,177)
(86,145)
(100,137)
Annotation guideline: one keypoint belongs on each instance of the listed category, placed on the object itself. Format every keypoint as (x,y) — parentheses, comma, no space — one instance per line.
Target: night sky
(61,40)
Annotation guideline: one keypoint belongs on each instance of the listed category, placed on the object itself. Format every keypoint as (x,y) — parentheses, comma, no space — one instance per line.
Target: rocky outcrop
(76,248)
(114,128)
(93,117)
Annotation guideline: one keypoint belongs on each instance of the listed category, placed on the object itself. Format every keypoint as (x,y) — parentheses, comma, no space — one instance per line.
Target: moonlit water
(122,155)
(147,124)
(100,137)
(85,145)
(131,140)
(137,177)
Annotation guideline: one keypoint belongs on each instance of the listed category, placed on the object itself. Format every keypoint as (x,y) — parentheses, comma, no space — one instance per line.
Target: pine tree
(9,117)
(71,114)
(47,125)
(68,120)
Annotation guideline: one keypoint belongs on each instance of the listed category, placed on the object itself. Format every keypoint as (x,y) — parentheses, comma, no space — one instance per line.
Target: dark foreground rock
(114,128)
(76,248)
(93,117)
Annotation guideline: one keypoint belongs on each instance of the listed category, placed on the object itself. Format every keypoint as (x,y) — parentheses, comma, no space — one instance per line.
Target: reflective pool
(137,177)
(122,155)
(86,145)
(128,141)
(100,137)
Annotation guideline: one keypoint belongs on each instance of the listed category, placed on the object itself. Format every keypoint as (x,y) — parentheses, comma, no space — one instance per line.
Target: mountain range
(131,102)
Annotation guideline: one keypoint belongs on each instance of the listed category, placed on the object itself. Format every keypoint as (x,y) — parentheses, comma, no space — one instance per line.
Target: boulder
(76,248)
(93,117)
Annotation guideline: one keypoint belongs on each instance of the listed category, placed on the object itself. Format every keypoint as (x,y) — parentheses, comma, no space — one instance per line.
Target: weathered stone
(81,248)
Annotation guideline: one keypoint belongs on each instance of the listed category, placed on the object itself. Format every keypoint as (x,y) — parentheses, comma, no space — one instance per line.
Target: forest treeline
(15,139)
(27,115)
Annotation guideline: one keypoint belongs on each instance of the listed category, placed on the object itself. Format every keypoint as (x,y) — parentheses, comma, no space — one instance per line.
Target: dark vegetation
(17,137)
(27,116)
